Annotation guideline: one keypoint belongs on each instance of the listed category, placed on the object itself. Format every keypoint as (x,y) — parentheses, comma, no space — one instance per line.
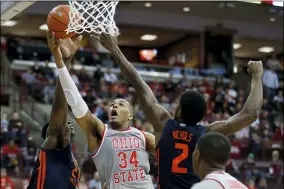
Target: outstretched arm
(251,109)
(59,111)
(84,118)
(154,112)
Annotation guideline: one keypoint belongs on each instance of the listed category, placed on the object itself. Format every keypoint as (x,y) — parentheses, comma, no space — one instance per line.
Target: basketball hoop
(92,17)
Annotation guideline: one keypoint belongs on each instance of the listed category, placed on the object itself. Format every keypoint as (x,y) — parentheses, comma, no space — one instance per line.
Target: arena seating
(256,146)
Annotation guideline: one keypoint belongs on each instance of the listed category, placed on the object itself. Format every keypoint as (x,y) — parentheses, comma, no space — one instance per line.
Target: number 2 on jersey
(124,159)
(180,158)
(75,175)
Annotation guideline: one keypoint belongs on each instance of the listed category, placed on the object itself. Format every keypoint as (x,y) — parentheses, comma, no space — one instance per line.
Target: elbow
(252,116)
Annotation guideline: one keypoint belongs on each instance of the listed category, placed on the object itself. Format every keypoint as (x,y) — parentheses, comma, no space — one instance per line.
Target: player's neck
(122,127)
(209,170)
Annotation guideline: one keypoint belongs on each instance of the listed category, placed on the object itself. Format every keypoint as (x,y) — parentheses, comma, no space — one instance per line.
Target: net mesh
(92,17)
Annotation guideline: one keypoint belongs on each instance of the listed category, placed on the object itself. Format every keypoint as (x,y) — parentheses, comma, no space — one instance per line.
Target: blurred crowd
(259,142)
(18,150)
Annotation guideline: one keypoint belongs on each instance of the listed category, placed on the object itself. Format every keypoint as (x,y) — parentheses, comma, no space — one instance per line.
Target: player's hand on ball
(53,46)
(255,68)
(69,47)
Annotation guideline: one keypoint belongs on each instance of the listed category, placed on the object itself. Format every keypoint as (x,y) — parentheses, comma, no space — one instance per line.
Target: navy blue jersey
(174,155)
(55,169)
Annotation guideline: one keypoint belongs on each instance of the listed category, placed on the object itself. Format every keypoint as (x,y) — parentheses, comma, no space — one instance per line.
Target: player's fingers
(64,51)
(47,35)
(69,40)
(250,63)
(59,42)
(78,41)
(53,37)
(96,36)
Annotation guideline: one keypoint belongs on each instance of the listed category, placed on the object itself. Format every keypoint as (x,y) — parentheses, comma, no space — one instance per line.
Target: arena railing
(147,75)
(20,99)
(29,105)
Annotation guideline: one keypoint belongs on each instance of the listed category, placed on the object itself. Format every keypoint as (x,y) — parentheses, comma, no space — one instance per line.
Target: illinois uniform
(174,155)
(122,160)
(55,169)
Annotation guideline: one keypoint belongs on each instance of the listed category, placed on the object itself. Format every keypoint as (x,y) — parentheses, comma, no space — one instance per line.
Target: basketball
(58,20)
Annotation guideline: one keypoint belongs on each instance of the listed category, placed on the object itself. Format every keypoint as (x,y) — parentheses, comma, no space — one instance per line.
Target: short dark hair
(214,148)
(44,130)
(192,107)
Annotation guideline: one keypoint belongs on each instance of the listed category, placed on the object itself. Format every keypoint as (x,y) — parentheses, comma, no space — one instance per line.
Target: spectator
(273,63)
(267,105)
(278,101)
(103,88)
(279,134)
(107,62)
(271,83)
(4,128)
(97,75)
(102,111)
(46,71)
(90,99)
(249,168)
(31,152)
(75,78)
(266,134)
(256,142)
(6,181)
(15,125)
(165,102)
(29,78)
(118,90)
(109,76)
(49,92)
(276,169)
(84,76)
(169,85)
(95,183)
(11,153)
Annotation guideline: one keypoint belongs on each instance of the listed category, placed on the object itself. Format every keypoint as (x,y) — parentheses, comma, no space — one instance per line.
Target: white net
(92,16)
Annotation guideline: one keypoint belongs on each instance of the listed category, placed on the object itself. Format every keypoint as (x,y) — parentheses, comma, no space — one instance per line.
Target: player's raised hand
(255,68)
(69,46)
(108,41)
(53,46)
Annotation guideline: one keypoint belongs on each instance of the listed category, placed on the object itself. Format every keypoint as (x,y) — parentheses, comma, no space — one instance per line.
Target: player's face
(119,112)
(71,128)
(195,160)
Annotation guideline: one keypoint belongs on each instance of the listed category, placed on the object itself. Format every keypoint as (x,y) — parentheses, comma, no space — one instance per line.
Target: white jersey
(122,160)
(219,180)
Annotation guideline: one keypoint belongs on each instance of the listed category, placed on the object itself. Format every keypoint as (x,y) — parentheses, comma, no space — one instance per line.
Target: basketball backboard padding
(9,9)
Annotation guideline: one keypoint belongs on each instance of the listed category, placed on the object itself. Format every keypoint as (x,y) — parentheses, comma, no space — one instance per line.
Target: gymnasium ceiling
(130,35)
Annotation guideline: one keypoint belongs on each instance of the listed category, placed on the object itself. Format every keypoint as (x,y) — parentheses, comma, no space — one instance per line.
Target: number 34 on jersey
(129,168)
